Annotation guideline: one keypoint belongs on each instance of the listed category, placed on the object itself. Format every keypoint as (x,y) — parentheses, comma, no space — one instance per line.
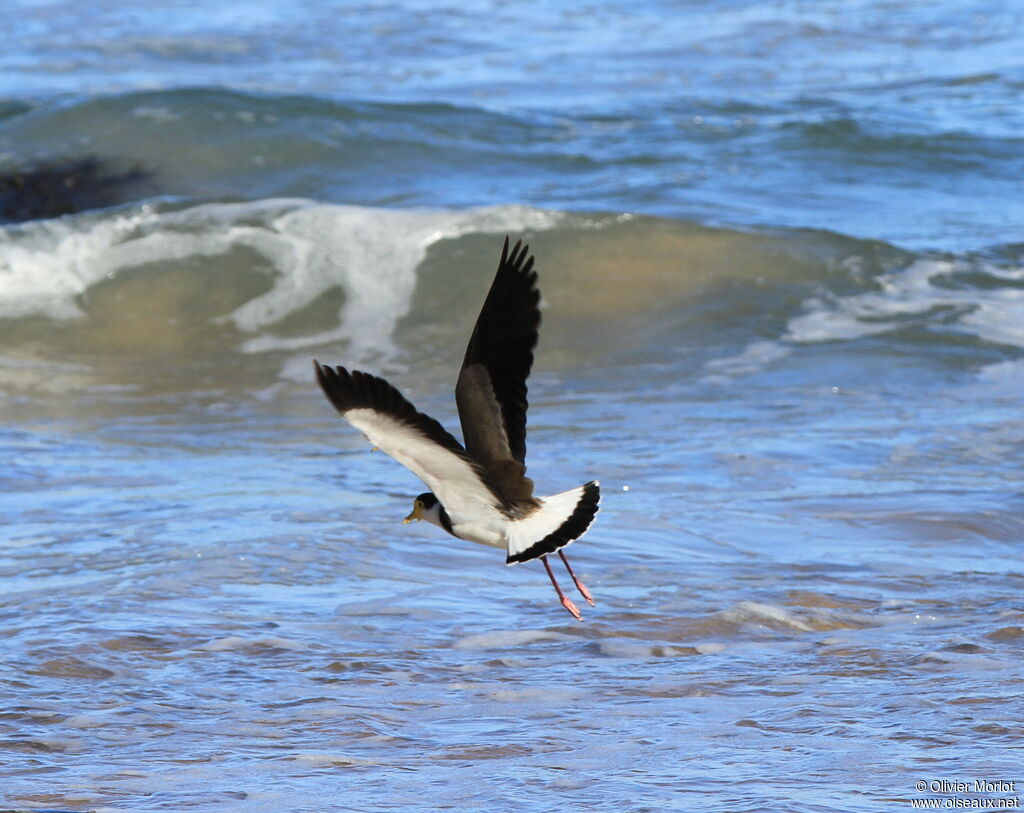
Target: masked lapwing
(480,491)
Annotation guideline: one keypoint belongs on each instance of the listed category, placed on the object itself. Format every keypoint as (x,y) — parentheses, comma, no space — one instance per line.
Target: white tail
(561,519)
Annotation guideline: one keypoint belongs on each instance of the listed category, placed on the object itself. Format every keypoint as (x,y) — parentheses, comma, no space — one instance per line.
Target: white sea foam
(237,642)
(631,648)
(504,639)
(323,760)
(916,294)
(371,254)
(919,293)
(45,265)
(1004,378)
(767,615)
(755,356)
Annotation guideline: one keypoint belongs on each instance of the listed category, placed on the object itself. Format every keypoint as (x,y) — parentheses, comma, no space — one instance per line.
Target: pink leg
(579,585)
(561,596)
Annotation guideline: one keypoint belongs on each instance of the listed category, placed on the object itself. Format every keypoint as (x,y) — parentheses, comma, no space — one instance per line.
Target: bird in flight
(480,491)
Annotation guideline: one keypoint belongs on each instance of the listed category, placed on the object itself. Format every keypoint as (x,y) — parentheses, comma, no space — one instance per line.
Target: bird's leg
(561,596)
(579,585)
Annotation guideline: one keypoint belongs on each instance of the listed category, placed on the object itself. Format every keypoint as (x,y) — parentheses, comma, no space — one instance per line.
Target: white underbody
(516,535)
(492,534)
(472,508)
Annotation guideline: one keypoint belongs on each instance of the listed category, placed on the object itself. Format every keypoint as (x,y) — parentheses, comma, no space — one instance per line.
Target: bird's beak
(417,513)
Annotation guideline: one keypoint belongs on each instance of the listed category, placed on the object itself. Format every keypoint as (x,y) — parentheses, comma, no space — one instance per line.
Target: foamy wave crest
(946,295)
(943,297)
(309,248)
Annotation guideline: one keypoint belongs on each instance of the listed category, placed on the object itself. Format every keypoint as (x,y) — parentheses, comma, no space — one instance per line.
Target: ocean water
(781,251)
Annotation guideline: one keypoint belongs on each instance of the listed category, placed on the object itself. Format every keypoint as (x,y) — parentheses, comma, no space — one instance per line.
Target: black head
(428,500)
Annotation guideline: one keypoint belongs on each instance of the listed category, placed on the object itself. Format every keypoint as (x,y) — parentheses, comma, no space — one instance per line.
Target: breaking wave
(281,278)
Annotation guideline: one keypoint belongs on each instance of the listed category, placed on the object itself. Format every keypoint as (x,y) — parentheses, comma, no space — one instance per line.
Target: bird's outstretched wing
(491,390)
(417,441)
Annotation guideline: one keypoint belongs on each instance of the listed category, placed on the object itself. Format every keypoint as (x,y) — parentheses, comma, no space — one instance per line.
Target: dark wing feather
(359,390)
(415,440)
(491,391)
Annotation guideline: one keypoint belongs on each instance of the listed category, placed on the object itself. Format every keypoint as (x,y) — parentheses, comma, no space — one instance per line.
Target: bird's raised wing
(417,441)
(491,391)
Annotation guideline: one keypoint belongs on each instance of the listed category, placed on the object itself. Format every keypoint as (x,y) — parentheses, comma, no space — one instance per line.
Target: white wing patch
(552,514)
(452,478)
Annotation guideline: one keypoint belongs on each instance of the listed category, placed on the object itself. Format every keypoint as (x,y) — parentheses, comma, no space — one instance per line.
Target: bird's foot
(585,592)
(567,603)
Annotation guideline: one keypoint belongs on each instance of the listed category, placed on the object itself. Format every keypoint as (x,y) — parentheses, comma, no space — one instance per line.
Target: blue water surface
(888,120)
(806,423)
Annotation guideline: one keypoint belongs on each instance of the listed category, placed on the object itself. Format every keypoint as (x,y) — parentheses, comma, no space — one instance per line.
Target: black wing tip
(323,371)
(354,389)
(517,261)
(569,531)
(515,285)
